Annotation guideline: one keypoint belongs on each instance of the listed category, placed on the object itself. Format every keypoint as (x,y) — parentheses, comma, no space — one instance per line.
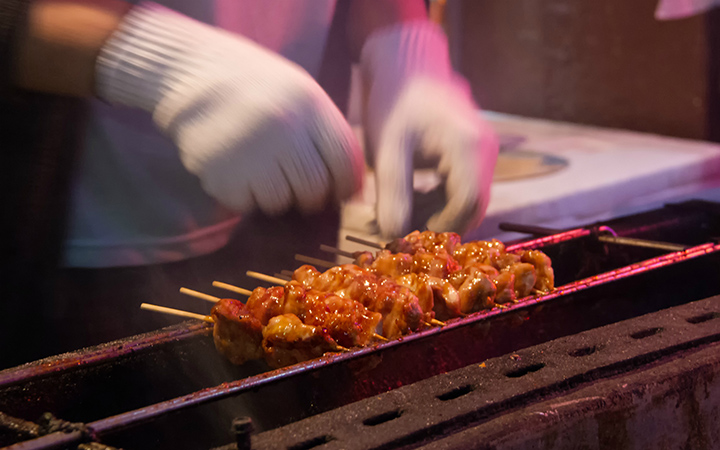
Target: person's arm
(416,105)
(254,127)
(369,16)
(57,50)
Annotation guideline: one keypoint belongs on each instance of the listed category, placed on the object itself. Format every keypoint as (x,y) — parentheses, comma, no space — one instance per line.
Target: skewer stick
(315,261)
(175,312)
(287,273)
(433,322)
(337,251)
(268,278)
(283,276)
(380,337)
(200,295)
(232,288)
(364,242)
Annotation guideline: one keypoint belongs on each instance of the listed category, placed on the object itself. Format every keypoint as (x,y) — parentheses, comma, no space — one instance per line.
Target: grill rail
(612,275)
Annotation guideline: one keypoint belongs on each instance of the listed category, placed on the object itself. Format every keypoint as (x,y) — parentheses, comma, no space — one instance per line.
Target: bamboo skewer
(175,312)
(200,295)
(232,288)
(268,278)
(337,251)
(364,242)
(315,261)
(433,322)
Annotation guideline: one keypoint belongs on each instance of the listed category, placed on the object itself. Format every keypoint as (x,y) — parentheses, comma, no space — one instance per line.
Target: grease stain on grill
(703,318)
(456,393)
(382,418)
(585,351)
(312,443)
(646,333)
(525,370)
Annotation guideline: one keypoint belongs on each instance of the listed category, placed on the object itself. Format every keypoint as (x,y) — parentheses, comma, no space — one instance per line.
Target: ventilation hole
(382,418)
(703,318)
(646,333)
(455,393)
(583,351)
(524,370)
(312,443)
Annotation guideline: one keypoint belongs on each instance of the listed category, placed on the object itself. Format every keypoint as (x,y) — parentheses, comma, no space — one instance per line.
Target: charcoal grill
(171,389)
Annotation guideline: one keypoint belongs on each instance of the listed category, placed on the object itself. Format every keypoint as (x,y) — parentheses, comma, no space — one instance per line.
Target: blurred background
(608,63)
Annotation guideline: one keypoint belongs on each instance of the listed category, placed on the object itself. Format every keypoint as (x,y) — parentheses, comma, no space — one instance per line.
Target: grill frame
(418,414)
(341,367)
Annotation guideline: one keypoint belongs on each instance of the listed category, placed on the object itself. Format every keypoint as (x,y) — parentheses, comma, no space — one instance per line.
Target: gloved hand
(255,128)
(415,103)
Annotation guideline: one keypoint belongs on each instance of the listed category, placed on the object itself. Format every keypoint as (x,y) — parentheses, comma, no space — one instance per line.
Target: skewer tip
(200,295)
(232,288)
(176,312)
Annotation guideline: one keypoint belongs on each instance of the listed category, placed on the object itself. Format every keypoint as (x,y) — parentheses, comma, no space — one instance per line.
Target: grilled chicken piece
(475,288)
(423,273)
(385,263)
(429,275)
(306,275)
(398,306)
(346,320)
(264,304)
(237,333)
(524,278)
(545,281)
(478,252)
(395,265)
(434,294)
(438,265)
(428,240)
(505,284)
(287,340)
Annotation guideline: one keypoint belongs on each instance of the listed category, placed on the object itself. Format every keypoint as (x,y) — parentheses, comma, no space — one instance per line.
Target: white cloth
(134,202)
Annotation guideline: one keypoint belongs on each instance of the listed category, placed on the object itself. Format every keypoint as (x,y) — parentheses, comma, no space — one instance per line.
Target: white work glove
(255,128)
(417,104)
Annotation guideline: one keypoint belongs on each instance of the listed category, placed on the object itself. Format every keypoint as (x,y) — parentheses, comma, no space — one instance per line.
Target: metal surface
(446,404)
(100,354)
(225,390)
(641,243)
(177,371)
(610,238)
